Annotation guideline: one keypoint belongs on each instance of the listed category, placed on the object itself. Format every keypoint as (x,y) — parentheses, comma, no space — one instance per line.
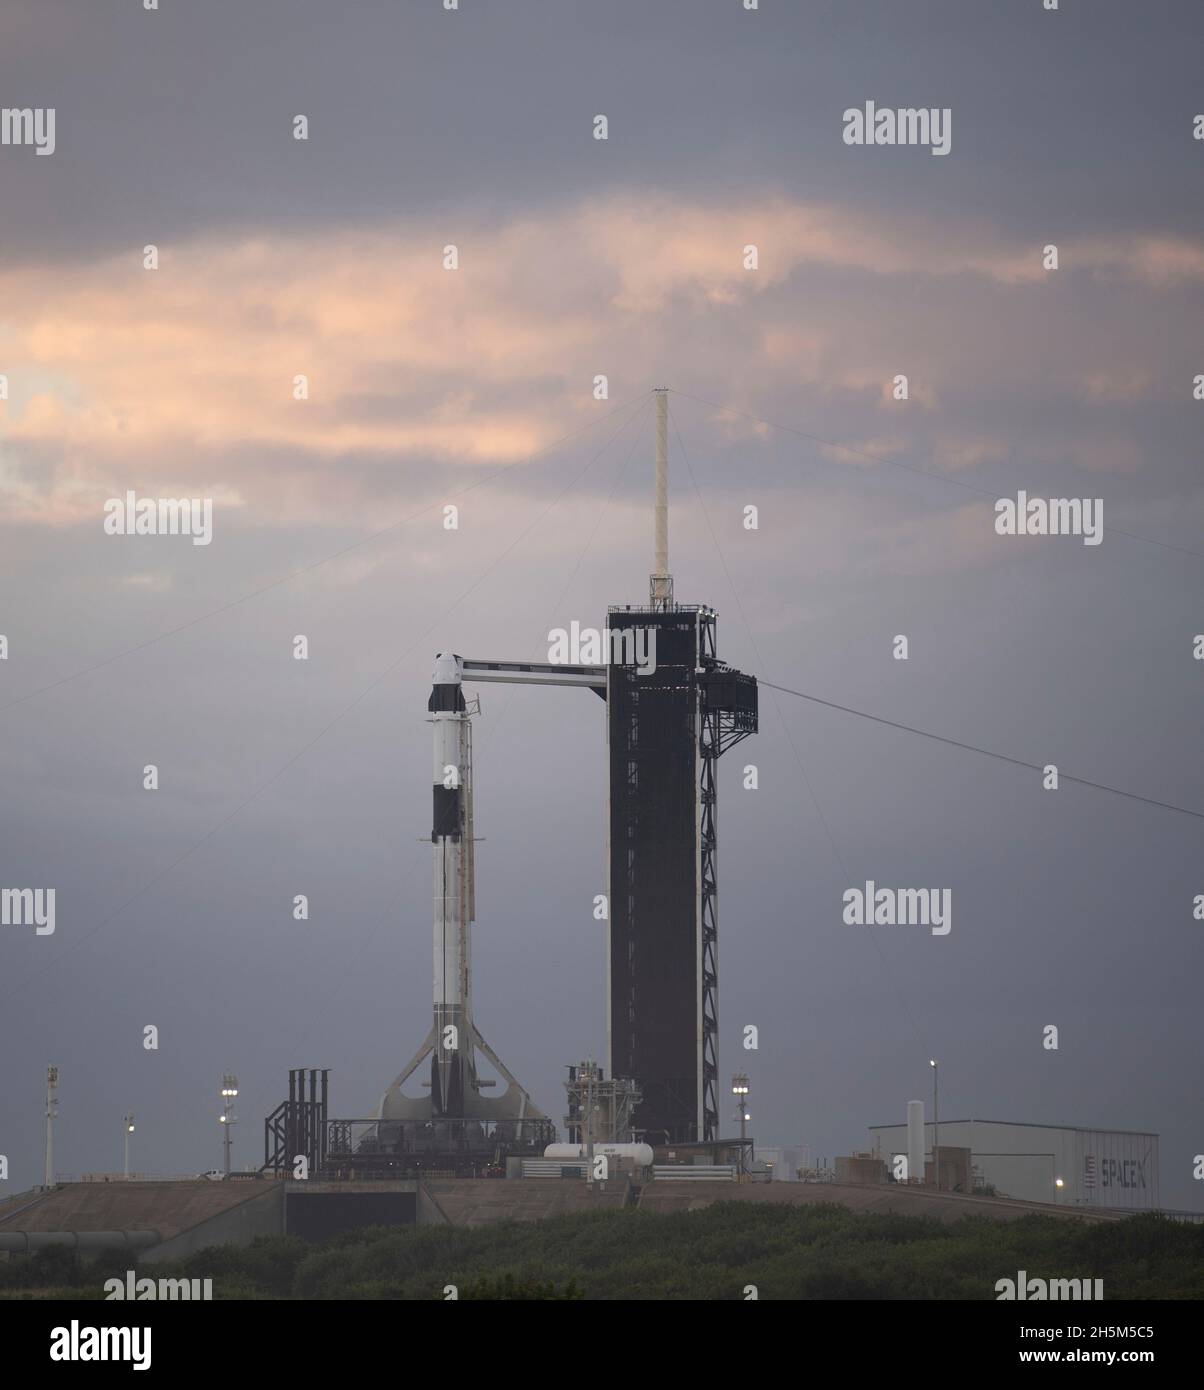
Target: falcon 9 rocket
(454,1040)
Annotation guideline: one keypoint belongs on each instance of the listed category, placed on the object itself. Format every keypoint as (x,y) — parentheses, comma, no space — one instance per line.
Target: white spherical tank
(639,1154)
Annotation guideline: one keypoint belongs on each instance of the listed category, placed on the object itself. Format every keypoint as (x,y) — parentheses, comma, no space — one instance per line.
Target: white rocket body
(454,1040)
(452,837)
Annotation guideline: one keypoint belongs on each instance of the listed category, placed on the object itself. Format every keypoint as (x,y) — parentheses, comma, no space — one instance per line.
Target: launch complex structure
(668,722)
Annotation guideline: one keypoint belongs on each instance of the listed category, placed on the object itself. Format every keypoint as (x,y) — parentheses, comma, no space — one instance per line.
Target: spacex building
(1047,1163)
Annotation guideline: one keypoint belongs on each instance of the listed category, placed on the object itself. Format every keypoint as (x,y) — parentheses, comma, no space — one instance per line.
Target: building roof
(1029,1124)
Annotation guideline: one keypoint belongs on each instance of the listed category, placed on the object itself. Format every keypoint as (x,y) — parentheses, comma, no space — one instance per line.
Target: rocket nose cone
(447,670)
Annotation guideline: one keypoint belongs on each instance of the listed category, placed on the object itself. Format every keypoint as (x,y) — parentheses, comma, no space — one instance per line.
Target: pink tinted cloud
(184,377)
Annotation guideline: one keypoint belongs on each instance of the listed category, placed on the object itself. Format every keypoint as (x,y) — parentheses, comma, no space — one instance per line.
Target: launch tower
(666,730)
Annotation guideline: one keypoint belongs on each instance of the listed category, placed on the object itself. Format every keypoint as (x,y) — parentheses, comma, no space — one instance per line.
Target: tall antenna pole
(52,1110)
(661,581)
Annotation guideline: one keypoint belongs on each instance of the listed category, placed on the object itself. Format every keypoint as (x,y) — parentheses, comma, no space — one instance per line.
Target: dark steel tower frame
(666,732)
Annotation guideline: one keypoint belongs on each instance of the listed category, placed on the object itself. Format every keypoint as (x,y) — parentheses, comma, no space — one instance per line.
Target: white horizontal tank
(639,1154)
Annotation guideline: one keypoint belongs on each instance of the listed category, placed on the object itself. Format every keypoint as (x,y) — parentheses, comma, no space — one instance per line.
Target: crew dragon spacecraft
(453,1042)
(668,721)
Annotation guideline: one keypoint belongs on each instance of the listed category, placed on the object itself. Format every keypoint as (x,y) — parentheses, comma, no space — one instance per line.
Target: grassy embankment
(786,1252)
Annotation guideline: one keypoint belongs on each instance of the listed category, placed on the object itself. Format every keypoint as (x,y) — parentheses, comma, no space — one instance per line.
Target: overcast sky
(577,258)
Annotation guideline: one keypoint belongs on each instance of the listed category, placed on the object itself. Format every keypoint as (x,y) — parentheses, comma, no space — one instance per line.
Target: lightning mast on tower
(660,582)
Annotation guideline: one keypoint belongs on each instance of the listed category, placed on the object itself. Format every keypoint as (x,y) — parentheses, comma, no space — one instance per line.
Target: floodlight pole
(229,1091)
(936,1129)
(740,1091)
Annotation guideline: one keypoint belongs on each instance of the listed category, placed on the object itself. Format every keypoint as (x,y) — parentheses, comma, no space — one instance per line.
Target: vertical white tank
(915,1140)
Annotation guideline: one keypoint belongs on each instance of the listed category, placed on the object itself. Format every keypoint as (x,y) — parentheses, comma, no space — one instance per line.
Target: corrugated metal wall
(1098,1168)
(1117,1170)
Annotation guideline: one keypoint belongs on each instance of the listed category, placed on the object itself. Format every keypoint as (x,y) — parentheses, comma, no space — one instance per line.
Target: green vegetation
(788,1252)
